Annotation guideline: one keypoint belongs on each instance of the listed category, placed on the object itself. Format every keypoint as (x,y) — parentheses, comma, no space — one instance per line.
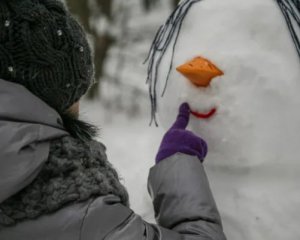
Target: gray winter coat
(183,203)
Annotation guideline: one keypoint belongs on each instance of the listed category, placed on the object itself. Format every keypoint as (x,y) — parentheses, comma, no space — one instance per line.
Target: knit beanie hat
(44,49)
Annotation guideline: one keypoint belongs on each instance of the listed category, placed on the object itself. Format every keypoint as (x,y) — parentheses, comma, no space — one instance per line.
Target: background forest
(121,33)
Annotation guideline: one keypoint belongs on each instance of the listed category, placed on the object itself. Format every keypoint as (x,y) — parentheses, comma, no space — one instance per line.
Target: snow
(123,111)
(254,140)
(131,148)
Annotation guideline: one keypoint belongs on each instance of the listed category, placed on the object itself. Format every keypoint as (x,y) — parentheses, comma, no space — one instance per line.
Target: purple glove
(180,140)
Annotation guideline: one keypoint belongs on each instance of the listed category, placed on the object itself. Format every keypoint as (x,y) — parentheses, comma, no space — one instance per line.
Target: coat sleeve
(184,206)
(183,202)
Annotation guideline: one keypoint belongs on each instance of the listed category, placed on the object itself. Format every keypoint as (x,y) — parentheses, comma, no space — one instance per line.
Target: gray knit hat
(43,48)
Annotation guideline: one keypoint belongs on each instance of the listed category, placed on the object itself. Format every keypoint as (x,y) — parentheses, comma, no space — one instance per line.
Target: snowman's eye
(200,71)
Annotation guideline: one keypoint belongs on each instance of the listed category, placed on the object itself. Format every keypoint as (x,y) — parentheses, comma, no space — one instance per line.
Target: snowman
(237,64)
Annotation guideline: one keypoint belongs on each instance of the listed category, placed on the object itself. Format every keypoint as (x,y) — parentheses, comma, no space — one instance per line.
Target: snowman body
(254,137)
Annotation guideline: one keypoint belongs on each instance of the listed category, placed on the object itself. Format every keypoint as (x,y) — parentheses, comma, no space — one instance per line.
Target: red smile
(204,115)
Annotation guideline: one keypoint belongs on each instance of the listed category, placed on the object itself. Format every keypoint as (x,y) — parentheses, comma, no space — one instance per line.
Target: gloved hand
(180,140)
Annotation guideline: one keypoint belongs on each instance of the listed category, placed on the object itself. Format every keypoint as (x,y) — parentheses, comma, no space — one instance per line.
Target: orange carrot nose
(200,71)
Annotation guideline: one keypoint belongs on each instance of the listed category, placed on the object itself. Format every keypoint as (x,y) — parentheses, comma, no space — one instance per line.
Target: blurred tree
(86,10)
(95,13)
(148,4)
(175,3)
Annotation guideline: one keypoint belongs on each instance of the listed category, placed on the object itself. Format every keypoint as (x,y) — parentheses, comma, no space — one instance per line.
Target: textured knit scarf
(74,172)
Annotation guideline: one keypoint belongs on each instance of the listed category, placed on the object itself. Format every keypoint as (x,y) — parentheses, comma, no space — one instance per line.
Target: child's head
(44,49)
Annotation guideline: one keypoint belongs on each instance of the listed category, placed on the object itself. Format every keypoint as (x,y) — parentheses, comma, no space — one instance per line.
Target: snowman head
(237,64)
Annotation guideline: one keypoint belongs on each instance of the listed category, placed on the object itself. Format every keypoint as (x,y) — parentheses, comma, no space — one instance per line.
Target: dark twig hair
(171,29)
(159,46)
(291,12)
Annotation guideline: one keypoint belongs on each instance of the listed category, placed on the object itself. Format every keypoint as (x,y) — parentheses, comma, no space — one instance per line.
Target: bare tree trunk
(81,10)
(105,7)
(148,4)
(175,2)
(102,45)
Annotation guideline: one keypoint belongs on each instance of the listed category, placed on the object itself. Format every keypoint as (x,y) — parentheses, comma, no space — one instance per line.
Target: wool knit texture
(74,172)
(43,48)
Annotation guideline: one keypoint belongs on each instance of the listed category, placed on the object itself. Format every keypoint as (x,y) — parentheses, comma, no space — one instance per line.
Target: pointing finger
(183,117)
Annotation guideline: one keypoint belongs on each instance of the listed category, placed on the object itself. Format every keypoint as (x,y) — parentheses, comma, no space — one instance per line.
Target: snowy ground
(244,191)
(123,112)
(131,148)
(254,136)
